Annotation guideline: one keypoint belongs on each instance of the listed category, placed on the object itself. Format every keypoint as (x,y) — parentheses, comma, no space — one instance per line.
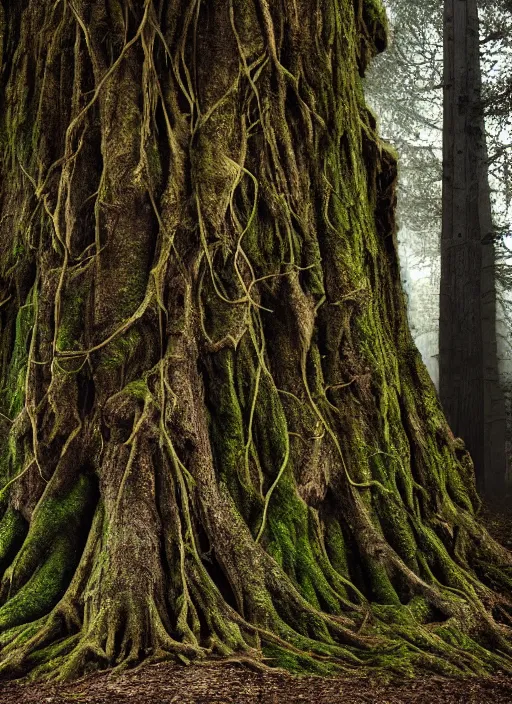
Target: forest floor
(234,684)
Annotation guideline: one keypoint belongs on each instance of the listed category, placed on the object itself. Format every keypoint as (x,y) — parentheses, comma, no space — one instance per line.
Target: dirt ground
(235,684)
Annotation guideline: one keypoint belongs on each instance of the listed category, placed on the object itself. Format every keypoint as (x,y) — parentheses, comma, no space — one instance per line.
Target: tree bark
(468,362)
(217,435)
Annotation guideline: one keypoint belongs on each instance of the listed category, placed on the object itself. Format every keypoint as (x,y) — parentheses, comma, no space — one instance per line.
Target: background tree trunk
(217,434)
(468,361)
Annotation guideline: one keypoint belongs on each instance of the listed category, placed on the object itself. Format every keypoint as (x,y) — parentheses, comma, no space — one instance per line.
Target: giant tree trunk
(217,434)
(468,359)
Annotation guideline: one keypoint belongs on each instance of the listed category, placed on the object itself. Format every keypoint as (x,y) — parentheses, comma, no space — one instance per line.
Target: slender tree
(217,435)
(468,361)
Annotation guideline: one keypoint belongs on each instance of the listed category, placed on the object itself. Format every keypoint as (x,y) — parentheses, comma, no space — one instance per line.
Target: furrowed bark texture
(217,435)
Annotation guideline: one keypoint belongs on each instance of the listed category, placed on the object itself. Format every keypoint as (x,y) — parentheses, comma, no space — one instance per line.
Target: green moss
(227,421)
(13,529)
(59,512)
(47,559)
(282,543)
(73,313)
(293,542)
(299,664)
(270,430)
(394,614)
(375,12)
(393,517)
(138,389)
(5,460)
(380,585)
(120,351)
(17,636)
(44,588)
(50,659)
(235,463)
(421,609)
(335,545)
(19,250)
(12,396)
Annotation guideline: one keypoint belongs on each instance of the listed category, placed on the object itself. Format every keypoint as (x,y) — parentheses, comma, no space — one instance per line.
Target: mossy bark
(217,436)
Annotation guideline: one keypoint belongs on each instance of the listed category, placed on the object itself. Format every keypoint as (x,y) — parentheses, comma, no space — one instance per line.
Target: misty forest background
(405,87)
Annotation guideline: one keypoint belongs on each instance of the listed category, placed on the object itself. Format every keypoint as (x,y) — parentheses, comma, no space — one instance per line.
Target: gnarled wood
(217,435)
